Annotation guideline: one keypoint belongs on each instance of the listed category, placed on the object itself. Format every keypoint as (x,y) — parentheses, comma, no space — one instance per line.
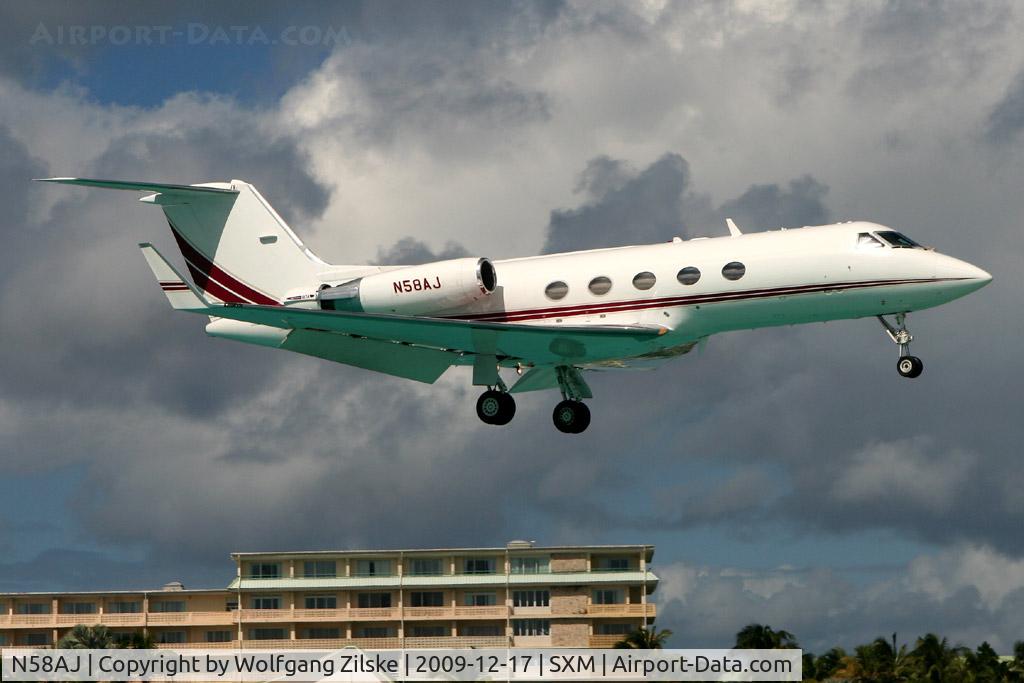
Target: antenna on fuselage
(733,230)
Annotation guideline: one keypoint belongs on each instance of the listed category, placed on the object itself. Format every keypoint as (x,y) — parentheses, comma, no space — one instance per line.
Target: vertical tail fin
(237,248)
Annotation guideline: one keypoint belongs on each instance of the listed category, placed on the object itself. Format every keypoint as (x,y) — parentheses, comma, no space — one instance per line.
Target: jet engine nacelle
(414,290)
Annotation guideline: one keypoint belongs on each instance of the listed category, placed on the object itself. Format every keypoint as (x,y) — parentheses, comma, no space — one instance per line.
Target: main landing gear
(907,365)
(496,406)
(571,415)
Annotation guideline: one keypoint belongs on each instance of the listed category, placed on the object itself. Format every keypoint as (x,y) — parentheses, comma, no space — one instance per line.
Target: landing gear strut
(571,415)
(496,406)
(907,365)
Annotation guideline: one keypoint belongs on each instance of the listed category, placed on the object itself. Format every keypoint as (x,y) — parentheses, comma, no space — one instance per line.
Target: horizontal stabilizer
(163,188)
(182,295)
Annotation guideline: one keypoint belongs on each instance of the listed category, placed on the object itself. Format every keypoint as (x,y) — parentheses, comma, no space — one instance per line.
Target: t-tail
(236,247)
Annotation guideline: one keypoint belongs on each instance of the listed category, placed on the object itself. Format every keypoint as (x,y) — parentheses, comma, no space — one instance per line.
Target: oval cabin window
(556,290)
(688,275)
(644,280)
(600,285)
(733,270)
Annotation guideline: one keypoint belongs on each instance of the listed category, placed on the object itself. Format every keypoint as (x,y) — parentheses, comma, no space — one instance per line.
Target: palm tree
(984,665)
(879,662)
(830,662)
(1017,666)
(87,638)
(936,660)
(645,639)
(764,637)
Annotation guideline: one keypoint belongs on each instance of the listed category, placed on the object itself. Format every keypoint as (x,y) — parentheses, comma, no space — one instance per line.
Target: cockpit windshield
(898,240)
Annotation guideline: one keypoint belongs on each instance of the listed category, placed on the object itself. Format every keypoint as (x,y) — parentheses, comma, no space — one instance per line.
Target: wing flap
(391,358)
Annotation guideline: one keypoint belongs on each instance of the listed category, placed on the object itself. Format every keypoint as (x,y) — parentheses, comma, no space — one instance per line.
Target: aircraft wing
(533,344)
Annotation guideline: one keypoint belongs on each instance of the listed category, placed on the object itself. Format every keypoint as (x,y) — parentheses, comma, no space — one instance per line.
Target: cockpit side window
(899,240)
(869,241)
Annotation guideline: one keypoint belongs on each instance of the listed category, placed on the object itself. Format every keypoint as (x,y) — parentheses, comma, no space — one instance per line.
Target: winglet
(182,295)
(733,230)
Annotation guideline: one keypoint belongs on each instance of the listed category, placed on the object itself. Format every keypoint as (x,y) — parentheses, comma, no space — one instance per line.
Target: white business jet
(546,318)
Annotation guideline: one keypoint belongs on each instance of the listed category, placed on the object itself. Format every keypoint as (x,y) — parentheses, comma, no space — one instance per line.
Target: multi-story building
(520,595)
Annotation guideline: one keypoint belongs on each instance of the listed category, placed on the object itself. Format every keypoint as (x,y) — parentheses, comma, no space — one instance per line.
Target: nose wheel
(907,365)
(495,407)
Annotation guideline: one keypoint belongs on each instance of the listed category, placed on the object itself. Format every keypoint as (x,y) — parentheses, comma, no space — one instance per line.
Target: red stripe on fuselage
(665,302)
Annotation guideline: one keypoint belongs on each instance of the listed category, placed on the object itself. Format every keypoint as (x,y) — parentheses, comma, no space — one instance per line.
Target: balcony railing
(604,641)
(632,610)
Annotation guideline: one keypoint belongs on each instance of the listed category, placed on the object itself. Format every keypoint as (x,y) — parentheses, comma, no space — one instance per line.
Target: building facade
(520,595)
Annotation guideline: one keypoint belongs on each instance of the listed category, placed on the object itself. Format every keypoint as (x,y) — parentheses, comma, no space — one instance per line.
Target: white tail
(237,248)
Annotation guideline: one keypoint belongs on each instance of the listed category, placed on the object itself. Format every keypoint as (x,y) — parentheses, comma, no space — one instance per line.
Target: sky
(786,476)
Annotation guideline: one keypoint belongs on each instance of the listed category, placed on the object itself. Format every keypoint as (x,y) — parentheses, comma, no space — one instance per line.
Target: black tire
(571,417)
(507,409)
(495,407)
(488,406)
(909,366)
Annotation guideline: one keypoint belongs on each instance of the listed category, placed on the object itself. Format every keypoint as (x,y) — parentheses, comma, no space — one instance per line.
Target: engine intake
(414,290)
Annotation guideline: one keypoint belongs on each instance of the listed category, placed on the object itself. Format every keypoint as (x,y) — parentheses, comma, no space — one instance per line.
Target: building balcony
(191,618)
(633,610)
(604,642)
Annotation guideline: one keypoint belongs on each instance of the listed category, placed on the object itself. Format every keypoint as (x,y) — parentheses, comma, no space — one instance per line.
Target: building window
(133,607)
(531,598)
(321,602)
(427,599)
(644,280)
(322,633)
(482,630)
(426,567)
(609,596)
(733,270)
(218,636)
(78,608)
(320,569)
(600,285)
(481,599)
(264,571)
(373,600)
(267,634)
(266,602)
(479,565)
(613,564)
(230,605)
(615,629)
(167,606)
(164,637)
(3,639)
(430,632)
(531,627)
(530,565)
(373,567)
(556,290)
(33,608)
(688,275)
(36,639)
(374,632)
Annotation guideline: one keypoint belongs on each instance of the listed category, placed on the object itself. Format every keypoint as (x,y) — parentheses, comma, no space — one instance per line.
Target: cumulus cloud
(967,593)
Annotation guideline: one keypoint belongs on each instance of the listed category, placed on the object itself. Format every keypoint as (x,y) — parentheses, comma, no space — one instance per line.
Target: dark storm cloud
(411,251)
(1006,119)
(623,206)
(89,245)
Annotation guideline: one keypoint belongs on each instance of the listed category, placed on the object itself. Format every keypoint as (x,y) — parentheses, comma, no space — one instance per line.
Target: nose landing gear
(907,365)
